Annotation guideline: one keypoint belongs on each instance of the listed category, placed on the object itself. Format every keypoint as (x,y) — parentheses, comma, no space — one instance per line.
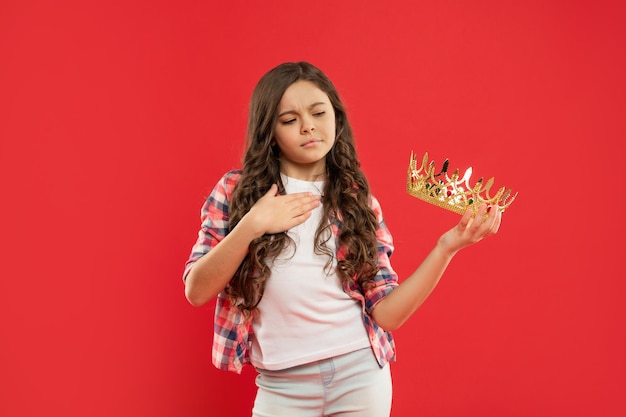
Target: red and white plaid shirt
(232,333)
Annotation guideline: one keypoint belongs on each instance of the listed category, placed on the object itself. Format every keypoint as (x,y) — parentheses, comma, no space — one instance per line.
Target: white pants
(347,385)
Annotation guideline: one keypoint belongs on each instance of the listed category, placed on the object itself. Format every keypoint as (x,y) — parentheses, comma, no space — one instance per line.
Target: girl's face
(305,130)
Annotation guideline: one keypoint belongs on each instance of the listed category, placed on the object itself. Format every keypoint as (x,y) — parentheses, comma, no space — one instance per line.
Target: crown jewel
(453,193)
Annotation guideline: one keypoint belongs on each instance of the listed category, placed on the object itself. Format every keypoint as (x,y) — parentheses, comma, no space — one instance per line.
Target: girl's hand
(471,229)
(275,213)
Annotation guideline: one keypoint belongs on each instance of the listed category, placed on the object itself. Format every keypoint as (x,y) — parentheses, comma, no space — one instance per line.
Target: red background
(117,118)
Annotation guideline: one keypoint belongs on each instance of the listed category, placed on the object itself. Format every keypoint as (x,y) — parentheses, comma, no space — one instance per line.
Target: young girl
(296,250)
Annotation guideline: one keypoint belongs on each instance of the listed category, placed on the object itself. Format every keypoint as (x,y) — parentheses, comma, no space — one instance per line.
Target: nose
(308,126)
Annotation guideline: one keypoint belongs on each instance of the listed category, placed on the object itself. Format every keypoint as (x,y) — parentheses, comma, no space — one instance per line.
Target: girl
(296,251)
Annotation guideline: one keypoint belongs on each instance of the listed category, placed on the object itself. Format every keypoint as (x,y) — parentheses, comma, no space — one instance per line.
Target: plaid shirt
(232,333)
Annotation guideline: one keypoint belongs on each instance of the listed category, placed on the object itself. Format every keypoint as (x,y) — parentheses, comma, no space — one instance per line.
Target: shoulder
(227,183)
(231,178)
(222,191)
(374,204)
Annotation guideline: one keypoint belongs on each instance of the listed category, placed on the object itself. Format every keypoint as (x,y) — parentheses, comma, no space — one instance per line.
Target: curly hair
(346,190)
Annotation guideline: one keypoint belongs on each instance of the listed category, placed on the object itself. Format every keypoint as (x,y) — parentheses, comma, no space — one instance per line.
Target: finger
(306,205)
(496,221)
(478,220)
(493,220)
(483,211)
(300,213)
(299,219)
(466,219)
(272,191)
(300,201)
(303,197)
(311,201)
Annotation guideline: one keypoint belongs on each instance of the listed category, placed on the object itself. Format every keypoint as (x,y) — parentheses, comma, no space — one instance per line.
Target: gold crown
(452,193)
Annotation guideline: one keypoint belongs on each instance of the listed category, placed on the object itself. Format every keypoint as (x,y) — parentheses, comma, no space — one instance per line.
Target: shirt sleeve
(386,279)
(214,219)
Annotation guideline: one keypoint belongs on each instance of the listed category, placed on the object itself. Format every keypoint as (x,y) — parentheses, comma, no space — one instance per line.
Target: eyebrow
(317,103)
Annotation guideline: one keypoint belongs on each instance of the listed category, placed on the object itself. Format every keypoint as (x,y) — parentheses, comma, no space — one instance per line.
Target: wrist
(445,247)
(248,229)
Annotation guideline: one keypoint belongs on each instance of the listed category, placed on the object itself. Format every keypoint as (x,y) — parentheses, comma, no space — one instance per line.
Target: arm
(393,310)
(271,214)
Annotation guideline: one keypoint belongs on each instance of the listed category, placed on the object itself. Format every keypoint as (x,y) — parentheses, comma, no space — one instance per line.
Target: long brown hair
(346,189)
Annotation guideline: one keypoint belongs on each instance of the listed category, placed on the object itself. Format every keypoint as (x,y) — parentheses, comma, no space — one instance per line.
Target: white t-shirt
(304,314)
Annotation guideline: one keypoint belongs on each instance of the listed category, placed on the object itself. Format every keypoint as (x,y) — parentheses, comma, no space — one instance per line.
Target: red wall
(116,119)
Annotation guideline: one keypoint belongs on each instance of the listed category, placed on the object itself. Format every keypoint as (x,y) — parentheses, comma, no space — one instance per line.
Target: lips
(310,142)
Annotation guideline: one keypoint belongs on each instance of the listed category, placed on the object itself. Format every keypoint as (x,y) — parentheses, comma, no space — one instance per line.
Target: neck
(311,173)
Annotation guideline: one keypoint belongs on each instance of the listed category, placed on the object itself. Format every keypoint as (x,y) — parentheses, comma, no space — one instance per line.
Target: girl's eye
(288,122)
(319,113)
